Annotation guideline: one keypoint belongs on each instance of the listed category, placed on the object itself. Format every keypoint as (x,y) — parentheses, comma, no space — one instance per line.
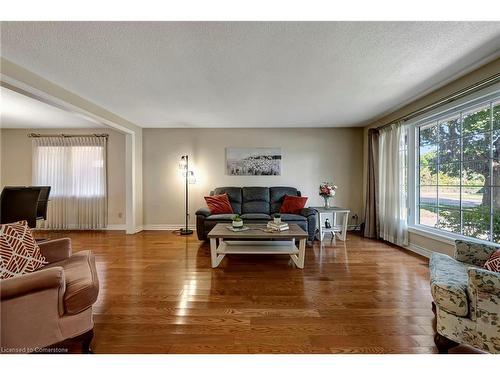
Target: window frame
(456,107)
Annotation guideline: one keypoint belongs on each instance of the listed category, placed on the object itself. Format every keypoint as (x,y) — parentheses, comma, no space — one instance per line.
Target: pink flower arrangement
(327,189)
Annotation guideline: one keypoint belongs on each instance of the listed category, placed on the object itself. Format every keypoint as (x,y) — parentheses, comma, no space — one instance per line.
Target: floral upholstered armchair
(466,298)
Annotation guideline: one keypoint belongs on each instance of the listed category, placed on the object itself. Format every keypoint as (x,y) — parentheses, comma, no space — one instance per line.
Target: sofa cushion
(19,252)
(256,217)
(219,204)
(220,217)
(82,284)
(293,205)
(449,284)
(292,217)
(234,195)
(255,200)
(277,195)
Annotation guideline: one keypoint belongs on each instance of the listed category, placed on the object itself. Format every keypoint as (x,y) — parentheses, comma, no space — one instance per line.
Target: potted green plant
(237,221)
(277,218)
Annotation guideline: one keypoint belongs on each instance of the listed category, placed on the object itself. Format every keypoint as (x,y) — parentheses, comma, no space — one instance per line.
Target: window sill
(441,236)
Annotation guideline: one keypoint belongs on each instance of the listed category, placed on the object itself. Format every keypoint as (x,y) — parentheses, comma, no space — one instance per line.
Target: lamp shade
(191,177)
(183,163)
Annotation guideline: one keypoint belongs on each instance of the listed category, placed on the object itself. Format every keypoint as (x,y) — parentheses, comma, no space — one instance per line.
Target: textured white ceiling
(245,74)
(19,111)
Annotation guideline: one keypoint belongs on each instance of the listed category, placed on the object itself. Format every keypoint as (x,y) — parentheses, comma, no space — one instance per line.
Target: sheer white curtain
(392,184)
(75,168)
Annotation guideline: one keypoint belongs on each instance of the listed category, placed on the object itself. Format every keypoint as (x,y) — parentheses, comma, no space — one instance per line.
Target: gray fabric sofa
(255,205)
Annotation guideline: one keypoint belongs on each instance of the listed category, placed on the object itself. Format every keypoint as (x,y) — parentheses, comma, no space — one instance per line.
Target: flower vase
(327,201)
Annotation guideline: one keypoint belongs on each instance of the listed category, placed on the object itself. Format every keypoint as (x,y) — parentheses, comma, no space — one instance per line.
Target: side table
(338,229)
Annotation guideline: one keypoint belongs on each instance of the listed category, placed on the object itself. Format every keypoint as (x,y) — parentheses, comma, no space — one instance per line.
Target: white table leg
(216,259)
(213,251)
(299,260)
(321,233)
(302,252)
(344,225)
(334,229)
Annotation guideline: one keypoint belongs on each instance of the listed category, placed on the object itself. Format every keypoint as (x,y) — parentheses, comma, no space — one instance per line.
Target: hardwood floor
(159,295)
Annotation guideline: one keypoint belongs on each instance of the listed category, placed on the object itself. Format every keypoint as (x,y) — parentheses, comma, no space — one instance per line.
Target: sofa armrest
(473,252)
(203,212)
(56,250)
(307,211)
(484,298)
(50,278)
(310,214)
(484,281)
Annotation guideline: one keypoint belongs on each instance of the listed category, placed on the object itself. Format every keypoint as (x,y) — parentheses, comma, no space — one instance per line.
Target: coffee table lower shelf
(218,252)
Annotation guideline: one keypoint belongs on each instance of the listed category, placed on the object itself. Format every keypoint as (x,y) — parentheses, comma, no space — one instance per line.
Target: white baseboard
(138,229)
(108,227)
(167,226)
(116,227)
(419,250)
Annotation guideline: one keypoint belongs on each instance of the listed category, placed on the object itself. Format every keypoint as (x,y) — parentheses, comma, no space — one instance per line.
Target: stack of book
(277,227)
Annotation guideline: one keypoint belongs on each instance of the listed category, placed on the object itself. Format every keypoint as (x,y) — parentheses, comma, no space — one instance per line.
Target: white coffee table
(256,241)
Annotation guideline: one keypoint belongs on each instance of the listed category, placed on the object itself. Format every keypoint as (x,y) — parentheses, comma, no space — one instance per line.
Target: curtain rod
(35,135)
(447,99)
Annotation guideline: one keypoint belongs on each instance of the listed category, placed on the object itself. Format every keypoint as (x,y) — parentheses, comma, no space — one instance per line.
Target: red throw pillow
(219,204)
(493,262)
(292,204)
(19,252)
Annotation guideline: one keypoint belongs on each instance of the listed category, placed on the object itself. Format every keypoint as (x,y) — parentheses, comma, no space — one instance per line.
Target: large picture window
(72,171)
(75,168)
(458,178)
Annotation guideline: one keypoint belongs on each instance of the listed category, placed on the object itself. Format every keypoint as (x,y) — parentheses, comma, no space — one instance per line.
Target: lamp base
(184,232)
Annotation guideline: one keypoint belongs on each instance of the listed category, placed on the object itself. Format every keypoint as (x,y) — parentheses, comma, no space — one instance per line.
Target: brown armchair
(52,304)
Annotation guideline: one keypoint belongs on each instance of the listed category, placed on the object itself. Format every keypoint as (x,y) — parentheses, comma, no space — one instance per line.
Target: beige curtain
(392,205)
(75,168)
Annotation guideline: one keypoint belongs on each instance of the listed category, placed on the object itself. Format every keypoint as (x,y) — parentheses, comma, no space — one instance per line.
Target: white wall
(310,156)
(16,163)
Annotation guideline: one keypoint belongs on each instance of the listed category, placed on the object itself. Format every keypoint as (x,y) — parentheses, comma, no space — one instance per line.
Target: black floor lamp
(189,179)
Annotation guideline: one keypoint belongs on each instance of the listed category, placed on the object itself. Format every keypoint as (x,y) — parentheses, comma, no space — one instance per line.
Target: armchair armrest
(484,281)
(18,286)
(203,212)
(307,212)
(33,304)
(473,252)
(56,250)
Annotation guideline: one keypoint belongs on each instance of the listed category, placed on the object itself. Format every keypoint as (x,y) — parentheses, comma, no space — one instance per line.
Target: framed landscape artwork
(258,161)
